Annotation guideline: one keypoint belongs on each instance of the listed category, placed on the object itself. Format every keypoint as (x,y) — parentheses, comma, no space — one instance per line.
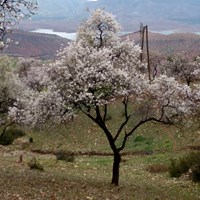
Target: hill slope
(37,45)
(177,43)
(45,46)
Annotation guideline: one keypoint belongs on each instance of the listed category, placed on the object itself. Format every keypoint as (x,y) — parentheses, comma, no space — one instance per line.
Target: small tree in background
(183,69)
(11,13)
(28,70)
(91,73)
(11,90)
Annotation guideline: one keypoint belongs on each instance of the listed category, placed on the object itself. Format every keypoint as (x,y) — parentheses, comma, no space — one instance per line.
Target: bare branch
(127,117)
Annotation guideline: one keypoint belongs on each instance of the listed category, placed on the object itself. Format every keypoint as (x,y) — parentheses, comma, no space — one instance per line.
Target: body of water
(168,32)
(72,36)
(165,32)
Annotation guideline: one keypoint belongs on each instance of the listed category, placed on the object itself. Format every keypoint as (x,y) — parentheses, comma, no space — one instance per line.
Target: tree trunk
(188,82)
(116,165)
(3,133)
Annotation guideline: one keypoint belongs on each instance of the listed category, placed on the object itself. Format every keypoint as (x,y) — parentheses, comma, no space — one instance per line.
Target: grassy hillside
(82,135)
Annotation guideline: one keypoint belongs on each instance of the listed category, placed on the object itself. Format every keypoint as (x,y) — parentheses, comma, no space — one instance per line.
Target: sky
(159,15)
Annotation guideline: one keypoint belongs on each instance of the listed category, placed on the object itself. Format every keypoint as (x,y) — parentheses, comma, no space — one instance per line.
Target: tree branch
(127,117)
(4,130)
(88,115)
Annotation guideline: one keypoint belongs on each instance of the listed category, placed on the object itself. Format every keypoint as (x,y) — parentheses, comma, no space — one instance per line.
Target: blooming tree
(91,73)
(183,69)
(28,70)
(11,13)
(11,90)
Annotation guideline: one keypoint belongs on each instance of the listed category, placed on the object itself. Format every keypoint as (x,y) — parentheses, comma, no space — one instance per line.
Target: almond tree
(28,70)
(91,73)
(183,69)
(11,90)
(11,13)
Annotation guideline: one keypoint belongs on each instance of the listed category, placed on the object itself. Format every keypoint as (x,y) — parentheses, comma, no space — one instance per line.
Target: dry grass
(157,168)
(88,177)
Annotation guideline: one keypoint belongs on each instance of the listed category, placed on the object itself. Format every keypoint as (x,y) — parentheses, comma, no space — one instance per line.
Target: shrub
(189,162)
(10,135)
(178,167)
(195,173)
(34,164)
(66,156)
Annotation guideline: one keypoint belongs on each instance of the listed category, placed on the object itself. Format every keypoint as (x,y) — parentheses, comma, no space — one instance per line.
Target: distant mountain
(65,15)
(37,45)
(45,46)
(169,45)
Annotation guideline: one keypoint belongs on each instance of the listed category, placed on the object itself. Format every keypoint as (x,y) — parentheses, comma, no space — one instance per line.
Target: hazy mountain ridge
(169,45)
(35,45)
(45,46)
(168,14)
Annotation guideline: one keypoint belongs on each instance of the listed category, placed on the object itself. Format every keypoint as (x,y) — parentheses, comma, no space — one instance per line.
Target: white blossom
(11,89)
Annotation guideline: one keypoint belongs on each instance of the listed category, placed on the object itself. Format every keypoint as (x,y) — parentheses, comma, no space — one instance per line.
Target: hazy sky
(65,15)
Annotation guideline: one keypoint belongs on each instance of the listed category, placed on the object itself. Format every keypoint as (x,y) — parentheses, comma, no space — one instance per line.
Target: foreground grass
(88,177)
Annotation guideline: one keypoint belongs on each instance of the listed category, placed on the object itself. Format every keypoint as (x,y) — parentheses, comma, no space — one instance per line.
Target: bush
(10,135)
(34,164)
(66,156)
(195,173)
(188,163)
(178,167)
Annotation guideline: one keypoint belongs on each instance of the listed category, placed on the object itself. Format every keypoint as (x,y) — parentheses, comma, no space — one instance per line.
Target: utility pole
(141,40)
(143,32)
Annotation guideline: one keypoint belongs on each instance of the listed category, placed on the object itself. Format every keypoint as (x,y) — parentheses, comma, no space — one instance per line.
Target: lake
(72,36)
